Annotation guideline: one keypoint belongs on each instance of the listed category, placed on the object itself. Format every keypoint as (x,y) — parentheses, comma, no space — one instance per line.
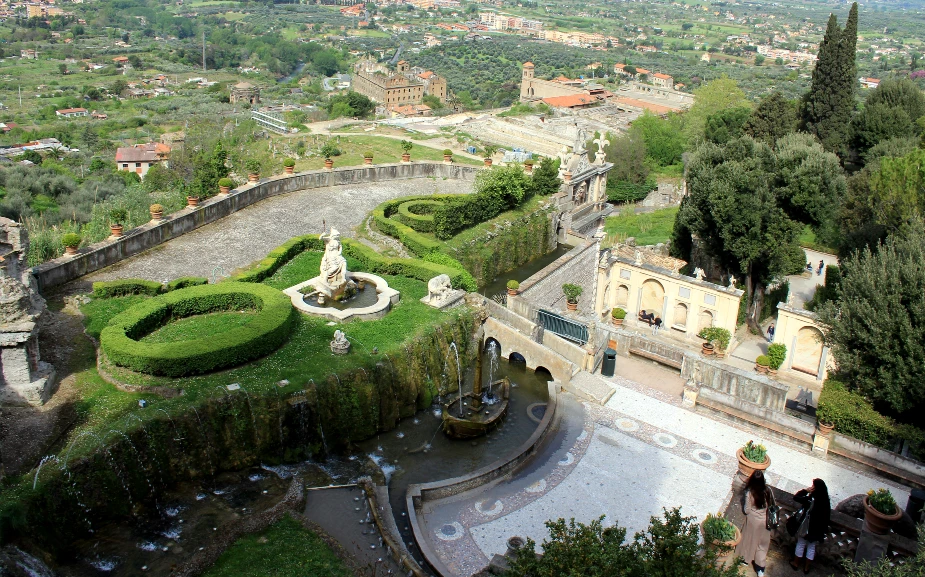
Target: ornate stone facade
(400,88)
(245,93)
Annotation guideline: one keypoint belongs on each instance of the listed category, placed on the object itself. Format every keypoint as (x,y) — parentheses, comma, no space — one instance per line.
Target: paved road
(249,234)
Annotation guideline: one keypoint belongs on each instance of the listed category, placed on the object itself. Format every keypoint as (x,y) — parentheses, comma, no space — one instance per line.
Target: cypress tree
(827,107)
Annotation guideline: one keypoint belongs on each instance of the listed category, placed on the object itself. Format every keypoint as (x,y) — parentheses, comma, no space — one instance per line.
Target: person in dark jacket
(817,511)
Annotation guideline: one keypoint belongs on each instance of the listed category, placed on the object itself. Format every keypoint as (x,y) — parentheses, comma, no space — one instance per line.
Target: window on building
(137,165)
(684,292)
(709,299)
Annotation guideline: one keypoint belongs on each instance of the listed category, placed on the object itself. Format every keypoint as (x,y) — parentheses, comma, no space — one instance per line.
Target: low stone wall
(384,519)
(567,349)
(137,240)
(417,495)
(741,384)
(848,447)
(536,355)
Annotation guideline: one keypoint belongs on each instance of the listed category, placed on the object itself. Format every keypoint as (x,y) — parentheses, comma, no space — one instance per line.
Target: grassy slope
(199,326)
(285,549)
(648,228)
(385,150)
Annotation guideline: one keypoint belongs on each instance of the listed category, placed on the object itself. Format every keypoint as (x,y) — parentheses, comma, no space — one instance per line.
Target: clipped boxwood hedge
(127,286)
(854,416)
(371,261)
(268,330)
(418,214)
(186,281)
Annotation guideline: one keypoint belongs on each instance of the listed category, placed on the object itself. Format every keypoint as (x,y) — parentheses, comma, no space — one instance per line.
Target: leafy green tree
(774,117)
(748,203)
(727,124)
(712,98)
(545,180)
(208,168)
(897,190)
(627,152)
(876,327)
(891,110)
(828,106)
(350,104)
(663,137)
(669,547)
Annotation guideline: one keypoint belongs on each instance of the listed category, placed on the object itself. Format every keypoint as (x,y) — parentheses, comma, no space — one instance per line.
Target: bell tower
(526,83)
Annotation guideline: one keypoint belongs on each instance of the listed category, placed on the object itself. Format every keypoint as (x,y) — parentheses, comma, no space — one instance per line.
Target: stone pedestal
(820,443)
(871,547)
(689,398)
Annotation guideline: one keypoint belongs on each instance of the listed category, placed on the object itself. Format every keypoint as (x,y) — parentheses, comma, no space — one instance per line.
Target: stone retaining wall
(137,240)
(578,266)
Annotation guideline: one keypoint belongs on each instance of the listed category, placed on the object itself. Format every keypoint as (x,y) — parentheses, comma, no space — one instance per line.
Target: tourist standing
(813,522)
(820,269)
(771,333)
(756,537)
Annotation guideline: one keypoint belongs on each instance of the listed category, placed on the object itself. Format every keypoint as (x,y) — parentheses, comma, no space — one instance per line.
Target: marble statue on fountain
(333,280)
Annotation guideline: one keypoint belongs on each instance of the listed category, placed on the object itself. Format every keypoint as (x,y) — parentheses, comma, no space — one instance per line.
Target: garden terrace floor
(249,234)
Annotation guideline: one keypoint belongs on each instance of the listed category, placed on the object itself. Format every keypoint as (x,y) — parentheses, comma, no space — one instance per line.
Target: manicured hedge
(128,286)
(186,281)
(264,334)
(370,260)
(418,214)
(854,416)
(466,282)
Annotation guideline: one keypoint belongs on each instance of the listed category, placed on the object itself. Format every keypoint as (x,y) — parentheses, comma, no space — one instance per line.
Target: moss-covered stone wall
(126,473)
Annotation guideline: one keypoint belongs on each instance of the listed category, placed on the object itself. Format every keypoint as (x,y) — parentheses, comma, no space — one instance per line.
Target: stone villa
(404,86)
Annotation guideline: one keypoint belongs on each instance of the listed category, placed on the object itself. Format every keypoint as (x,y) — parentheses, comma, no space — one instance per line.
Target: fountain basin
(475,423)
(386,297)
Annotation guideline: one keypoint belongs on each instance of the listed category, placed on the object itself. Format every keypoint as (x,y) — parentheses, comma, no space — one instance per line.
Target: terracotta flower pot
(224,189)
(528,168)
(367,160)
(730,545)
(253,177)
(406,157)
(706,349)
(617,322)
(512,292)
(70,250)
(761,369)
(825,429)
(116,230)
(192,201)
(328,163)
(487,162)
(289,169)
(878,523)
(448,158)
(159,215)
(772,372)
(572,306)
(746,467)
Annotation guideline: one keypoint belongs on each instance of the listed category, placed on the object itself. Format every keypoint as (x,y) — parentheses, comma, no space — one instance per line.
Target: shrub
(465,280)
(618,313)
(264,334)
(156,208)
(572,292)
(447,152)
(754,452)
(513,285)
(626,191)
(289,162)
(763,361)
(252,166)
(496,190)
(776,355)
(490,150)
(406,146)
(717,529)
(368,154)
(528,162)
(418,214)
(882,500)
(71,240)
(186,281)
(127,286)
(329,150)
(226,182)
(118,215)
(719,337)
(854,416)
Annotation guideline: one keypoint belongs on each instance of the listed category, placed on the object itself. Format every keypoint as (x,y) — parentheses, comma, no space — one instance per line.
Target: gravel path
(249,234)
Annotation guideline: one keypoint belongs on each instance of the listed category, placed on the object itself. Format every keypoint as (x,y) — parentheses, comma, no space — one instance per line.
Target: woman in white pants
(815,523)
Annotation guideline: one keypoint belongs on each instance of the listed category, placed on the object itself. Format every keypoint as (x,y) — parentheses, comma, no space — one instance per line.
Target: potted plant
(157,212)
(368,157)
(253,169)
(617,315)
(721,535)
(512,286)
(776,355)
(762,364)
(117,216)
(880,511)
(490,150)
(752,457)
(447,155)
(192,201)
(528,165)
(224,185)
(71,241)
(716,340)
(406,147)
(289,165)
(572,292)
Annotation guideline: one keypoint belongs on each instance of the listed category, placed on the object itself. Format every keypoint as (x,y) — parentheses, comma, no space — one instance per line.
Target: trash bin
(610,363)
(915,504)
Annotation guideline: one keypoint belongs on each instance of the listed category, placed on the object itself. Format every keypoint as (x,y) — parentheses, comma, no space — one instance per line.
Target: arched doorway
(704,320)
(653,296)
(621,296)
(808,351)
(680,315)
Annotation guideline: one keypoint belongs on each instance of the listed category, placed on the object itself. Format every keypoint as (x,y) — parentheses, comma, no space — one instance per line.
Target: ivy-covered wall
(126,474)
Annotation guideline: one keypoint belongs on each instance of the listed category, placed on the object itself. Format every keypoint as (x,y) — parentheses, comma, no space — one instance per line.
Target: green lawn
(385,151)
(199,326)
(286,549)
(648,228)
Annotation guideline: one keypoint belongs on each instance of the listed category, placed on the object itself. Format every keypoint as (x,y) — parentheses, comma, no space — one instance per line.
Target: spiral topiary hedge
(267,332)
(418,214)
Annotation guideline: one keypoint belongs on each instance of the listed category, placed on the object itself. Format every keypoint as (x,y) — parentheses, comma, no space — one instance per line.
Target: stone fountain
(338,294)
(476,413)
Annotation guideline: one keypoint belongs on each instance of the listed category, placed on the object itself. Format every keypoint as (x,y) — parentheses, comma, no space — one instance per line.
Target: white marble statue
(439,288)
(600,155)
(732,282)
(698,273)
(333,277)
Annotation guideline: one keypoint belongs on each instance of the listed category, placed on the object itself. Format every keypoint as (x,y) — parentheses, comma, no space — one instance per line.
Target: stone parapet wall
(578,266)
(137,240)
